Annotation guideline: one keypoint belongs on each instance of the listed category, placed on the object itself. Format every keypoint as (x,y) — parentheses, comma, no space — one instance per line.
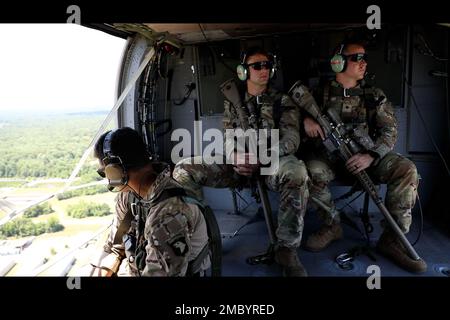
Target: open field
(78,242)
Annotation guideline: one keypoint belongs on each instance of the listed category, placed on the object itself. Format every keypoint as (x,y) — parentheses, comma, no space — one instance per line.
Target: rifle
(230,91)
(338,140)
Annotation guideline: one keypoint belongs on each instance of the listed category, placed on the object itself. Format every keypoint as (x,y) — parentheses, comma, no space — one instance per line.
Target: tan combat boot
(287,258)
(322,238)
(390,246)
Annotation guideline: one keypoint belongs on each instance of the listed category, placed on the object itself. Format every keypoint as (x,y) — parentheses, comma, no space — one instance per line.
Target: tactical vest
(262,109)
(132,229)
(356,108)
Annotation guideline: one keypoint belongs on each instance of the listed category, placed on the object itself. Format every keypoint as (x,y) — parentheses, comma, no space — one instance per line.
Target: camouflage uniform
(376,118)
(290,180)
(176,231)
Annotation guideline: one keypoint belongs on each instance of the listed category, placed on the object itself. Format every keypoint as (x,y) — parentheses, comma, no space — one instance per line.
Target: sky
(57,67)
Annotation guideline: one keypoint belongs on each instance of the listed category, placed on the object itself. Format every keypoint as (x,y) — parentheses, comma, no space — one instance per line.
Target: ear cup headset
(339,61)
(242,68)
(114,170)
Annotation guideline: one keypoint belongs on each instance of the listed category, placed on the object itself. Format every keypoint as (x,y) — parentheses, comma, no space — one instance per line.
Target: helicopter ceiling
(189,33)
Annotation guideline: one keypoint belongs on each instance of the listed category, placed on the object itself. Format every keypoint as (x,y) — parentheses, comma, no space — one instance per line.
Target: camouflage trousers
(291,181)
(399,173)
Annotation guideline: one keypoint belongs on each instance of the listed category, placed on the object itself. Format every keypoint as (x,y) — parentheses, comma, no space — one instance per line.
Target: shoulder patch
(179,246)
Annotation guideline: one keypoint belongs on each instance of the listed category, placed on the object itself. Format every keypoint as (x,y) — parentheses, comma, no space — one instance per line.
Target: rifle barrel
(267,209)
(368,185)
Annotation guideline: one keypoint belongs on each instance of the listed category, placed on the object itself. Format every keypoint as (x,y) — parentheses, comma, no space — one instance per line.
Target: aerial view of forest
(38,154)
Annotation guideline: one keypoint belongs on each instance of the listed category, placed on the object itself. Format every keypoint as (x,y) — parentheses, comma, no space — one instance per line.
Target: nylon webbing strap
(352,92)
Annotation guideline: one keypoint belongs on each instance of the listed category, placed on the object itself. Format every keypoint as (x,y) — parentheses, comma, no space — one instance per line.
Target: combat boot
(390,246)
(322,238)
(287,258)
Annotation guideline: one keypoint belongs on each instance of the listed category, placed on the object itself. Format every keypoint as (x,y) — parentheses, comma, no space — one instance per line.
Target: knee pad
(321,174)
(296,174)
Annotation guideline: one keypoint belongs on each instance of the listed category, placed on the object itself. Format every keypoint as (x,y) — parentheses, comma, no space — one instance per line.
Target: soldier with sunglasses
(158,228)
(370,116)
(267,109)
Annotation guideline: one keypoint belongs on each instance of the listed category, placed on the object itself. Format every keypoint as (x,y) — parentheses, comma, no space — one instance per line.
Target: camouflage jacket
(288,122)
(371,114)
(175,230)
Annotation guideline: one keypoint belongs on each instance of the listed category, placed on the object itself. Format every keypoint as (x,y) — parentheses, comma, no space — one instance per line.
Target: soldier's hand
(312,128)
(106,265)
(359,162)
(246,164)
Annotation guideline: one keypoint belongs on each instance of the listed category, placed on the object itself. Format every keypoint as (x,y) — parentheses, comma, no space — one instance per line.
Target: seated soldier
(367,113)
(269,109)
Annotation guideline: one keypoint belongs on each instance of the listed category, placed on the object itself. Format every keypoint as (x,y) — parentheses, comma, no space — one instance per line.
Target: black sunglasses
(101,172)
(106,160)
(261,64)
(357,57)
